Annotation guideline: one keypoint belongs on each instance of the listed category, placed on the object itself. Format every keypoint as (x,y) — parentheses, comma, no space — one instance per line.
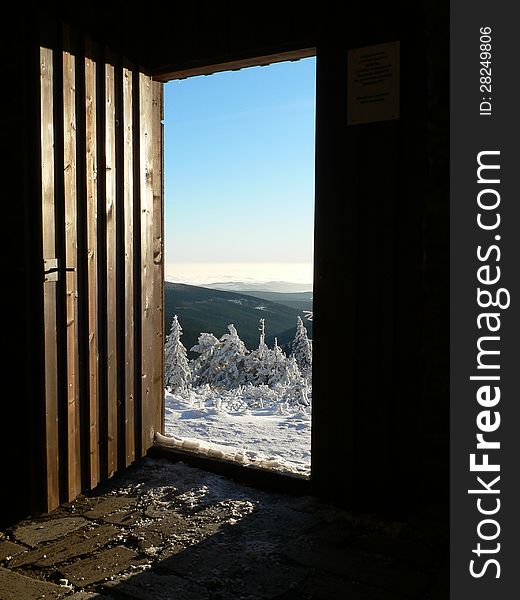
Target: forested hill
(200,309)
(299,300)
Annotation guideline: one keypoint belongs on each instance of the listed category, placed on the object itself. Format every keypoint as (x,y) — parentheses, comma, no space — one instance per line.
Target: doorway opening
(238,231)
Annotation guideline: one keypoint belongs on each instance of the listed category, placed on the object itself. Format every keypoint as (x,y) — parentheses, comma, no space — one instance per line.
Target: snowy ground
(261,432)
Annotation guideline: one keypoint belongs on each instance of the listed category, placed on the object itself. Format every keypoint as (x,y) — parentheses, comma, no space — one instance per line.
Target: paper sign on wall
(373,84)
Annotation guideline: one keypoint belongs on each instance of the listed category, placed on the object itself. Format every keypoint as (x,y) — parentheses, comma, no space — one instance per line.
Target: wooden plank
(82,267)
(128,212)
(169,73)
(111,257)
(136,147)
(92,251)
(71,304)
(158,259)
(49,287)
(146,193)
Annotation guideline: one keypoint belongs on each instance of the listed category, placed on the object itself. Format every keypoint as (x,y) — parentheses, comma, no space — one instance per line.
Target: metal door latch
(51,269)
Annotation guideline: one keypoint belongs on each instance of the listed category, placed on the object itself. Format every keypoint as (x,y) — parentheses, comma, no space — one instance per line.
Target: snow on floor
(271,436)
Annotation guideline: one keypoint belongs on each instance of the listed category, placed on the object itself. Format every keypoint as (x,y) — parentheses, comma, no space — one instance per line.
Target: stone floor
(166,531)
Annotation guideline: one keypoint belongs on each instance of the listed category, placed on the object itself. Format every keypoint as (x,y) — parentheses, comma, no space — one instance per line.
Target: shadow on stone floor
(166,531)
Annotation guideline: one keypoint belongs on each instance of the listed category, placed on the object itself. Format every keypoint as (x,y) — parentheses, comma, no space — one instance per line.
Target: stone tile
(271,524)
(109,507)
(151,586)
(9,549)
(82,504)
(157,512)
(172,528)
(105,564)
(44,531)
(123,519)
(230,570)
(71,546)
(222,553)
(14,586)
(266,580)
(353,565)
(229,564)
(168,551)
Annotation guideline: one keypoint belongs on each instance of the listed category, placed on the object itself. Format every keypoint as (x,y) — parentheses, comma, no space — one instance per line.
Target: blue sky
(239,165)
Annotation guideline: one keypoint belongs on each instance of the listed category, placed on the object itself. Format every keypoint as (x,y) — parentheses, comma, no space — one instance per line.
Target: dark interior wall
(435,235)
(381,226)
(20,281)
(371,195)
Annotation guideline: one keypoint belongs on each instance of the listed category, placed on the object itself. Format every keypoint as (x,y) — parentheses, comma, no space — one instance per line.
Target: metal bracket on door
(51,269)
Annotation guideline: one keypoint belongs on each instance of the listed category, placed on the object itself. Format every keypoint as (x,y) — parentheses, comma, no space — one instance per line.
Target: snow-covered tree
(283,370)
(228,360)
(221,362)
(292,372)
(202,367)
(255,363)
(302,393)
(262,346)
(177,374)
(302,349)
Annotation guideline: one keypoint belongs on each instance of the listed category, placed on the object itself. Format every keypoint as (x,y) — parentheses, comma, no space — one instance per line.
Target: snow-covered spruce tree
(262,346)
(202,367)
(282,370)
(302,350)
(177,374)
(228,360)
(292,373)
(305,392)
(255,367)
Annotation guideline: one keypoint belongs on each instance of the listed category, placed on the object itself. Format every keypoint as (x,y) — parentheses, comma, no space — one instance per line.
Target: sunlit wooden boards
(49,286)
(128,248)
(70,261)
(151,216)
(111,258)
(102,226)
(158,251)
(147,176)
(91,258)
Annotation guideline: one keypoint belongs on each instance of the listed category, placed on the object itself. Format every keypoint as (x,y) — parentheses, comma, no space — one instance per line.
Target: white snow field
(249,425)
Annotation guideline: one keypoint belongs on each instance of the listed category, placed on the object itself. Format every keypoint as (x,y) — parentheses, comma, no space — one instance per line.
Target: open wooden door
(102,270)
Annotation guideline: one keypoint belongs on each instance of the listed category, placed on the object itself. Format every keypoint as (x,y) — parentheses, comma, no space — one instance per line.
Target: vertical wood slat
(158,261)
(92,252)
(49,287)
(128,195)
(83,324)
(146,189)
(71,304)
(111,257)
